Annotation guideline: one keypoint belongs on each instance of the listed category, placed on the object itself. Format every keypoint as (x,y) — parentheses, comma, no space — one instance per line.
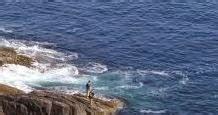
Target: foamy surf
(3,29)
(149,111)
(145,72)
(93,67)
(37,51)
(130,86)
(49,66)
(22,77)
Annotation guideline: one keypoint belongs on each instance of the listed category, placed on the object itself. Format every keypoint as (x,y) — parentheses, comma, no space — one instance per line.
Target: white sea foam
(92,67)
(158,92)
(5,30)
(163,73)
(102,88)
(130,86)
(72,56)
(184,79)
(149,111)
(36,51)
(145,72)
(21,76)
(49,66)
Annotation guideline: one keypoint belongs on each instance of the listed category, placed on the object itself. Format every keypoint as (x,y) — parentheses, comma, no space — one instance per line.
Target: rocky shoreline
(14,102)
(41,102)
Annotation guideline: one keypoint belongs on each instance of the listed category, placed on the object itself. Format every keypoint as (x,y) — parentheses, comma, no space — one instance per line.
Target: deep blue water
(162,57)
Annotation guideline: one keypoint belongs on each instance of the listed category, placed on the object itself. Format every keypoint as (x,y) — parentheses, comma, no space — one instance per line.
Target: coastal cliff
(42,102)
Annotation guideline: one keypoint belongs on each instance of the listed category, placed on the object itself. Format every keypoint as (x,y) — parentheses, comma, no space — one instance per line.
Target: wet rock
(10,56)
(7,90)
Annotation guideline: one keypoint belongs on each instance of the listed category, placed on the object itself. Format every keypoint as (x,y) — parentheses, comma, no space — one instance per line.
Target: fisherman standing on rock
(88,88)
(89,91)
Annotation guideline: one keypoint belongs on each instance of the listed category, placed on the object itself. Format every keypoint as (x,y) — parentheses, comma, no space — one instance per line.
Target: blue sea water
(160,57)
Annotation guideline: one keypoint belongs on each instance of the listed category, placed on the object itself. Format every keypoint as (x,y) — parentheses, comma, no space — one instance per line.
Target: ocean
(160,58)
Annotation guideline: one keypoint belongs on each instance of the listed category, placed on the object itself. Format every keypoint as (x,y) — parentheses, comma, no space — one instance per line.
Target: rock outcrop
(53,103)
(7,90)
(10,56)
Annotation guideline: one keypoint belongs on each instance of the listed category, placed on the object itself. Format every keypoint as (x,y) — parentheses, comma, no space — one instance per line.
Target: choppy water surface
(161,58)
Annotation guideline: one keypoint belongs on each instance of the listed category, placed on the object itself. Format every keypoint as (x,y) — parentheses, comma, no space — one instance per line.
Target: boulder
(10,56)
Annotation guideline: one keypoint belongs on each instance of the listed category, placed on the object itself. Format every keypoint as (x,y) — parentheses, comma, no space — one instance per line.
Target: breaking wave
(37,51)
(22,77)
(49,66)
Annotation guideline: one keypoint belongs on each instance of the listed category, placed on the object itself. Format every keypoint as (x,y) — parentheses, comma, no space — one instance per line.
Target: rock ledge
(53,103)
